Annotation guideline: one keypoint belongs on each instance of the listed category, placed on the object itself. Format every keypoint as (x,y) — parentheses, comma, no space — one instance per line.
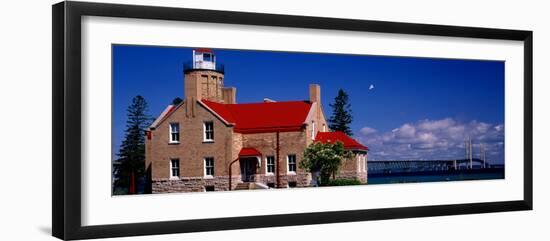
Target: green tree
(325,158)
(132,150)
(176,101)
(341,114)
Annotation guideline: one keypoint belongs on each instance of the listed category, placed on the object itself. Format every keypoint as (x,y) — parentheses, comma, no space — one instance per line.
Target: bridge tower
(471,163)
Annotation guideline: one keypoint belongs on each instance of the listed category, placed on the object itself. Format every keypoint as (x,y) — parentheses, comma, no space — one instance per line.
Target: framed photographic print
(212,120)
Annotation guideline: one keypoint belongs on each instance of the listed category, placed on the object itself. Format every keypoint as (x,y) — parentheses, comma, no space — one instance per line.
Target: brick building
(209,142)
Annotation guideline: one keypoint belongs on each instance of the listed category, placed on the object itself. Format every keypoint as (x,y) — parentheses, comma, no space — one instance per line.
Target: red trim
(168,113)
(203,50)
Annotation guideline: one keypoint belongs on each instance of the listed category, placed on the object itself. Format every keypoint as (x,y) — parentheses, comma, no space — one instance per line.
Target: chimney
(192,91)
(315,93)
(192,87)
(315,97)
(229,95)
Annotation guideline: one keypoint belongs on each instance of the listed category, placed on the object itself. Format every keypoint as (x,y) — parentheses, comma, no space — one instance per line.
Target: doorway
(248,169)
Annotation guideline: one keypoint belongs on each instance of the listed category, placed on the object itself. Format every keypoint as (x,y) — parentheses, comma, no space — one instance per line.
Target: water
(480,174)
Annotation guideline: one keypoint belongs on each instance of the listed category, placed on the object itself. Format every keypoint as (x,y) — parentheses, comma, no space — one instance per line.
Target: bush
(343,182)
(324,158)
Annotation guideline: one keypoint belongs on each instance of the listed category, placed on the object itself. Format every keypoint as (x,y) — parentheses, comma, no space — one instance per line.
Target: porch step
(257,185)
(250,186)
(243,186)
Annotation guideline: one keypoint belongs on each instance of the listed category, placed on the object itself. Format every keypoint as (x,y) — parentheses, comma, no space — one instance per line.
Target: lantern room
(204,59)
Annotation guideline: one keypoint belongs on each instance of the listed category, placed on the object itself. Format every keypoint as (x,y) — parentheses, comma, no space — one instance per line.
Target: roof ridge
(264,116)
(255,103)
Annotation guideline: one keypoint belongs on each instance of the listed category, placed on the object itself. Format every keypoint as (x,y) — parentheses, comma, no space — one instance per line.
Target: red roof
(263,117)
(246,151)
(203,50)
(167,112)
(349,143)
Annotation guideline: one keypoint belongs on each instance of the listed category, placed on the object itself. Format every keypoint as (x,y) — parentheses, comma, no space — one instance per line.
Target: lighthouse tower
(204,59)
(203,79)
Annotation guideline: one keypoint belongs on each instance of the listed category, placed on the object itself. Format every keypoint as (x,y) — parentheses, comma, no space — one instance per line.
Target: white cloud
(367,130)
(435,125)
(434,139)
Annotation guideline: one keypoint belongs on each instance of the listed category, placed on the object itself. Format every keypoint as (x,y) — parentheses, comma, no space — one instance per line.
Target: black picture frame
(66,182)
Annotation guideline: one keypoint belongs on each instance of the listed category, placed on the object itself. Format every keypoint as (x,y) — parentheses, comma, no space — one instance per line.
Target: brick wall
(354,168)
(290,143)
(191,150)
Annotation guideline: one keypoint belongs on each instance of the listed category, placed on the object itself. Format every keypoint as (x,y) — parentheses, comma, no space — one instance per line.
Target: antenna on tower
(483,155)
(466,148)
(469,154)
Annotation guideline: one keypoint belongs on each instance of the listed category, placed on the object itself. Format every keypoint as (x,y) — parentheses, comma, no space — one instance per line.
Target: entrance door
(248,169)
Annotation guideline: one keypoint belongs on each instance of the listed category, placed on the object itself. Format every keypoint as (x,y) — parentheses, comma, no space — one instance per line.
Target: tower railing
(188,66)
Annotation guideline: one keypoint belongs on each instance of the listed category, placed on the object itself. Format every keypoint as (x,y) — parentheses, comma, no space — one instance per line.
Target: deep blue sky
(406,90)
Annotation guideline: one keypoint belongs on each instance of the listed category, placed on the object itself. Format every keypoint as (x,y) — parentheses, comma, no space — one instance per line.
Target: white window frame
(288,171)
(172,168)
(209,57)
(359,159)
(267,166)
(206,167)
(365,162)
(204,139)
(313,130)
(171,131)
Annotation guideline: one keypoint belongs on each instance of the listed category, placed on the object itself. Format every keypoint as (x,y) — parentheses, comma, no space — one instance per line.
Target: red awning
(247,151)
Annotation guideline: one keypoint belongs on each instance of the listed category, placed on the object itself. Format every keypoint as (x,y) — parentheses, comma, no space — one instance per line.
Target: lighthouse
(204,59)
(204,79)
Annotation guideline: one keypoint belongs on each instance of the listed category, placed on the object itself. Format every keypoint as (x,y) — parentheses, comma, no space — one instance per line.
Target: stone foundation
(193,184)
(301,179)
(361,176)
(221,183)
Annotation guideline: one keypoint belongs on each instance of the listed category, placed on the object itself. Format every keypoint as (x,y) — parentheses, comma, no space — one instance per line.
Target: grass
(343,182)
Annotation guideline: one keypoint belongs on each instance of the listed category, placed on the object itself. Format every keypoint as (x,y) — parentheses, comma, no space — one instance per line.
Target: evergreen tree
(132,151)
(341,113)
(176,101)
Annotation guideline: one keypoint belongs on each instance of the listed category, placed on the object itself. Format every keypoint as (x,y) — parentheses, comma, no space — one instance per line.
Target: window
(174,132)
(292,184)
(270,164)
(365,163)
(324,128)
(313,130)
(174,168)
(208,127)
(209,166)
(209,188)
(206,57)
(291,159)
(359,159)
